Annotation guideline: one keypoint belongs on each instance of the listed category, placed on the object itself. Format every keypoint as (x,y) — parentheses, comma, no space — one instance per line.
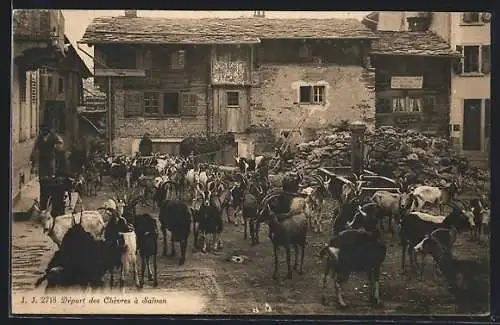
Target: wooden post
(110,125)
(357,147)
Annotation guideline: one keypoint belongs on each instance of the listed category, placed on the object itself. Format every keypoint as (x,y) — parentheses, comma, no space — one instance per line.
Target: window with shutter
(471,59)
(485,59)
(458,64)
(189,104)
(133,103)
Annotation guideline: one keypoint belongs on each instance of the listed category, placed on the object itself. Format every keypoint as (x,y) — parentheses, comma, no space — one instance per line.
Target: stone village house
(461,87)
(46,86)
(179,77)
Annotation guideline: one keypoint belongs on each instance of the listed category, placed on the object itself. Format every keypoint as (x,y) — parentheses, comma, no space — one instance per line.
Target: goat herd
(198,199)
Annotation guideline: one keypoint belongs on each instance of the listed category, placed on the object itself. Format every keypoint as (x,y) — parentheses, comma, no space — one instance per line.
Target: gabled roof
(82,65)
(143,30)
(412,43)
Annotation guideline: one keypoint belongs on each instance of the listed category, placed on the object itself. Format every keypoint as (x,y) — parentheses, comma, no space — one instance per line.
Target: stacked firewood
(394,153)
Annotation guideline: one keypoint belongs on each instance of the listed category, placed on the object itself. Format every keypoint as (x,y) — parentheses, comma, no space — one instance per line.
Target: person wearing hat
(61,182)
(43,156)
(146,145)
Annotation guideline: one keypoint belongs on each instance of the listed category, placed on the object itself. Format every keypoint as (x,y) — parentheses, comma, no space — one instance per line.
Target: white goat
(433,195)
(128,257)
(92,222)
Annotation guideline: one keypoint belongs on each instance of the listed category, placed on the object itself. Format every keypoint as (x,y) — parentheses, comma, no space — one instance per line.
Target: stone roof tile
(217,30)
(411,43)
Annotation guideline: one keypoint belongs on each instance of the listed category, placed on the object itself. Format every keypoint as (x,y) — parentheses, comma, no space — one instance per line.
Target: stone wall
(275,101)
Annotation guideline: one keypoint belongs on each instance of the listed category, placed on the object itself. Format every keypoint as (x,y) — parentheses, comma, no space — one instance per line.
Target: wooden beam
(119,72)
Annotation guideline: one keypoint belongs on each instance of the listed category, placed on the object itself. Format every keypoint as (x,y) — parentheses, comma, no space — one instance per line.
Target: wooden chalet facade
(46,86)
(179,77)
(413,80)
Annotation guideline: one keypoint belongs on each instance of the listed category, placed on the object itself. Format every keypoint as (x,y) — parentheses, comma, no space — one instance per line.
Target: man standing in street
(43,155)
(146,146)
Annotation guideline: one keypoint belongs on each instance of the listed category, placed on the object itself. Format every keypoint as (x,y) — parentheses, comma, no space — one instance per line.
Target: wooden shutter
(189,104)
(134,103)
(487,117)
(459,62)
(485,59)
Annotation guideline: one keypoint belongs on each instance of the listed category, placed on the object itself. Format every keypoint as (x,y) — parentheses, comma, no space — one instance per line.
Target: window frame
(179,104)
(463,22)
(406,107)
(193,105)
(313,94)
(237,96)
(478,59)
(481,48)
(159,107)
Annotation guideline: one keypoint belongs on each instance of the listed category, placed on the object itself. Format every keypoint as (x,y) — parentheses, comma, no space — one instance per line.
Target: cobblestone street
(208,283)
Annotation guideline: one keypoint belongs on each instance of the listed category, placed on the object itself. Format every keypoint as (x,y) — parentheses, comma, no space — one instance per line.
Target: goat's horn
(360,209)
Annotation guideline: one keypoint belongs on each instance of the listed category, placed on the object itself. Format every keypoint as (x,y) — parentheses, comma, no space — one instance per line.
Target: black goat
(345,214)
(160,195)
(444,237)
(146,230)
(451,267)
(252,196)
(208,219)
(356,250)
(292,182)
(415,225)
(176,218)
(88,269)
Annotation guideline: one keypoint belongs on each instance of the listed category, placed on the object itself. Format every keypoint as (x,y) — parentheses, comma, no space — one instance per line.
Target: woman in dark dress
(61,182)
(43,155)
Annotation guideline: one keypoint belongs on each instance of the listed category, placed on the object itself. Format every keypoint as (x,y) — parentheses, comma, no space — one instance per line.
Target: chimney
(259,14)
(131,13)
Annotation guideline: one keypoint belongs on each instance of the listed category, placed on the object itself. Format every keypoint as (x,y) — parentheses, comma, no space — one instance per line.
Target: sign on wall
(407,82)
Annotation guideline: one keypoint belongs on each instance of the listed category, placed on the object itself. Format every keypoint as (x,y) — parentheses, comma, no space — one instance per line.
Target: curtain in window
(415,104)
(398,104)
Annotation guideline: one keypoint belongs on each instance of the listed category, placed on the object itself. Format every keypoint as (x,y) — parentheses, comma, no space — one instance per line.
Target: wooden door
(236,106)
(472,125)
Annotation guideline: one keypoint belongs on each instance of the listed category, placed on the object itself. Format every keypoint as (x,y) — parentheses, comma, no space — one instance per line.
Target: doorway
(54,115)
(472,125)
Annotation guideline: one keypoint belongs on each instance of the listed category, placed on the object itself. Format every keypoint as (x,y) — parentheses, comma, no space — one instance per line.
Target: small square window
(312,94)
(471,17)
(233,98)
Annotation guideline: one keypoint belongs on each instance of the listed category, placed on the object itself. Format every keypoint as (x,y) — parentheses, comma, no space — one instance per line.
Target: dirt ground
(226,287)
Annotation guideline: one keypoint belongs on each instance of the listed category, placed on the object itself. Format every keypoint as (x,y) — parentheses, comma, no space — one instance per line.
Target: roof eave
(450,55)
(96,42)
(92,42)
